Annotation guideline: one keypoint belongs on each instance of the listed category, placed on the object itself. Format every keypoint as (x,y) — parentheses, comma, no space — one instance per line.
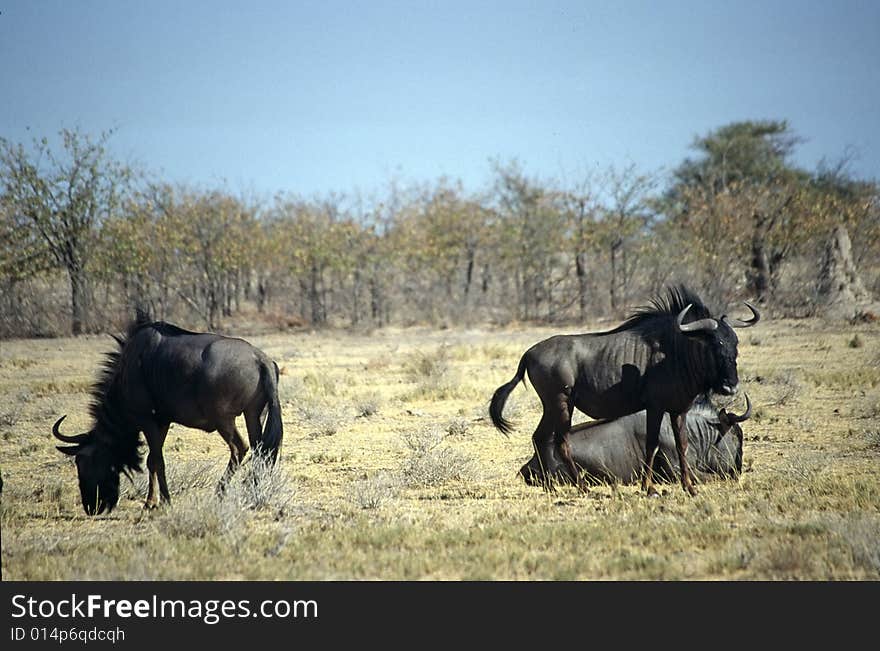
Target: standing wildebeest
(160,375)
(613,450)
(654,361)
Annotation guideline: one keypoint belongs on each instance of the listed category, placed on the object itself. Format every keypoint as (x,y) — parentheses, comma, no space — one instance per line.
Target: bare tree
(627,214)
(63,197)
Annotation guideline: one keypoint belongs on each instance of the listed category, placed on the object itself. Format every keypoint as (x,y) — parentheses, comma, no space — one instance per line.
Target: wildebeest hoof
(652,492)
(149,506)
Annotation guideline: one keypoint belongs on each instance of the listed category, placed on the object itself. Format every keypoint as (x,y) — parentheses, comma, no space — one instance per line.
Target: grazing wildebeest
(613,450)
(660,360)
(162,374)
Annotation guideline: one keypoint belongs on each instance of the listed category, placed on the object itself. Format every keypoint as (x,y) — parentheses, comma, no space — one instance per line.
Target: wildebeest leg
(253,420)
(237,449)
(679,428)
(652,444)
(560,435)
(155,435)
(542,441)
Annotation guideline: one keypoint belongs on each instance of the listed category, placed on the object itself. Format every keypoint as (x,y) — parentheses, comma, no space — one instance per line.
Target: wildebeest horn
(702,324)
(78,439)
(738,419)
(68,449)
(736,323)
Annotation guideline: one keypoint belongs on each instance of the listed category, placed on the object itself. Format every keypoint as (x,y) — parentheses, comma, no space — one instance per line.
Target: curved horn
(78,439)
(745,416)
(736,323)
(695,326)
(68,449)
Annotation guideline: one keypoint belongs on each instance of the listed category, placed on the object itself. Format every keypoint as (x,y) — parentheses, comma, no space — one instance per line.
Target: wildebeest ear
(68,449)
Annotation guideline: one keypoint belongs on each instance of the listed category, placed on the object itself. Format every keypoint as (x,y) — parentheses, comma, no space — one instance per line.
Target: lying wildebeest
(655,360)
(160,375)
(613,450)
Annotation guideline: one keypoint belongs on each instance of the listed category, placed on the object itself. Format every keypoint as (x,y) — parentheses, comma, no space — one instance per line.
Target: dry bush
(290,390)
(860,534)
(204,514)
(319,384)
(321,418)
(786,387)
(34,308)
(872,436)
(432,366)
(368,405)
(430,462)
(803,468)
(259,484)
(458,427)
(434,375)
(871,407)
(373,492)
(10,415)
(324,425)
(183,477)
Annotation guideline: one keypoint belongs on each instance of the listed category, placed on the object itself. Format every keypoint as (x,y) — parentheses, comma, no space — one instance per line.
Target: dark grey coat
(613,451)
(162,374)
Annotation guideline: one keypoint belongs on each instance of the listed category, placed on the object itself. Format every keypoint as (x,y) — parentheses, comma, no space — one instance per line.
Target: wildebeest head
(95,467)
(726,452)
(719,341)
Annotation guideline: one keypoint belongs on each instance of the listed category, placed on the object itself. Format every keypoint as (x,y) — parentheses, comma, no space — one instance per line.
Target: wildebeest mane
(113,429)
(143,320)
(703,407)
(670,304)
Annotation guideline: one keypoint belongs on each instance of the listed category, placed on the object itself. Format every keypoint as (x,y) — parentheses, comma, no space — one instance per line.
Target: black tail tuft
(496,406)
(273,430)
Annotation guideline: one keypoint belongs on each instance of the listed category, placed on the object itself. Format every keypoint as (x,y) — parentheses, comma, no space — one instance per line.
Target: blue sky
(313,97)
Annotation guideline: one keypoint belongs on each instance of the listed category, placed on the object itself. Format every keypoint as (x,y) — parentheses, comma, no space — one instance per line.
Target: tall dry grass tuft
(204,514)
(199,513)
(430,462)
(860,533)
(433,374)
(786,387)
(183,477)
(376,491)
(261,485)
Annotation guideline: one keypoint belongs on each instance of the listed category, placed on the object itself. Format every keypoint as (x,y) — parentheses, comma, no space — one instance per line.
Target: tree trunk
(303,294)
(355,298)
(212,307)
(468,274)
(760,273)
(78,299)
(315,296)
(581,267)
(375,299)
(615,246)
(262,294)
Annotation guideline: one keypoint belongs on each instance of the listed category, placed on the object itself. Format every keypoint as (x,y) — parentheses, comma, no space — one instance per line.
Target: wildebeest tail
(500,397)
(273,430)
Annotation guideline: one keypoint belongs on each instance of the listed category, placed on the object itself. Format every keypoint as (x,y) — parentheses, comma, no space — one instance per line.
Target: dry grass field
(390,469)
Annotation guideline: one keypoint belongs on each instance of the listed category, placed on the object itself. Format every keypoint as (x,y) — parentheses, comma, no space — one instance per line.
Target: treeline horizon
(84,240)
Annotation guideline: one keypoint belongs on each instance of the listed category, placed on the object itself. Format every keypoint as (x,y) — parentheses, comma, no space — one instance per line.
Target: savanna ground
(390,469)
